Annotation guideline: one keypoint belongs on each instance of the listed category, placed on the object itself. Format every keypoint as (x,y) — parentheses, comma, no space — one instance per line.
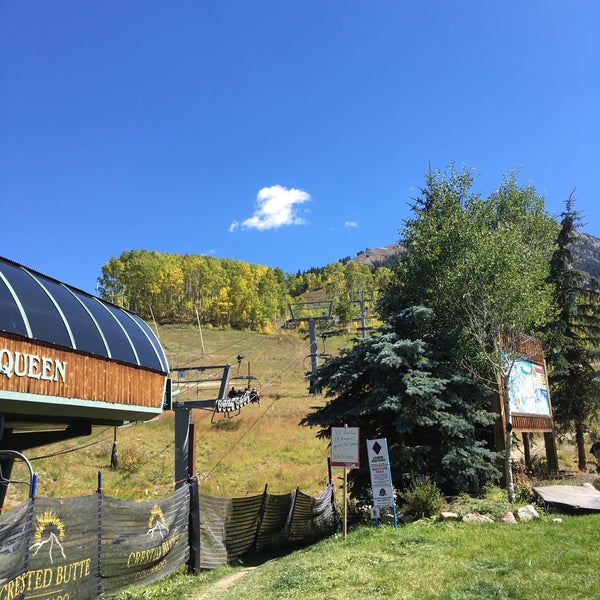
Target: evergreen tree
(573,337)
(481,264)
(474,267)
(396,385)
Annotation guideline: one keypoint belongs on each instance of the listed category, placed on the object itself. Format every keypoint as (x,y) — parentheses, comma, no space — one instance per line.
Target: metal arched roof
(38,307)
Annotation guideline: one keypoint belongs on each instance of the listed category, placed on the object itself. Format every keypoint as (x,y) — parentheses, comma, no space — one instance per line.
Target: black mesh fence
(231,528)
(213,515)
(92,546)
(15,534)
(52,548)
(312,517)
(87,546)
(143,542)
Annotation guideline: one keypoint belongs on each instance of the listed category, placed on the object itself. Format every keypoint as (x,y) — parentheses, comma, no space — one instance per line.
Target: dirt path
(223,584)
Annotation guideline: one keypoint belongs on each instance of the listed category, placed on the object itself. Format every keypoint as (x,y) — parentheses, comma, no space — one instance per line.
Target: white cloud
(350,224)
(276,206)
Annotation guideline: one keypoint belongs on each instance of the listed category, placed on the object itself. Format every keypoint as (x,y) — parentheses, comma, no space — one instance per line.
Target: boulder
(526,513)
(477,518)
(449,516)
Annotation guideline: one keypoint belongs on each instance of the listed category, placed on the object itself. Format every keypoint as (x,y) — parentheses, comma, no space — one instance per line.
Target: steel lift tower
(312,312)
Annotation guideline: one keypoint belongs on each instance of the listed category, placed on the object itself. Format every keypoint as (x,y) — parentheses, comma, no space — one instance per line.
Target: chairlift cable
(75,449)
(260,416)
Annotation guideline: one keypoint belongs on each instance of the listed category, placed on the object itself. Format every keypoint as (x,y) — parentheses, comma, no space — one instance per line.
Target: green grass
(425,561)
(265,445)
(235,457)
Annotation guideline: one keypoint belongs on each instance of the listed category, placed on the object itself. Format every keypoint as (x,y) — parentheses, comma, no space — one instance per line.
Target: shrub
(422,498)
(131,458)
(492,502)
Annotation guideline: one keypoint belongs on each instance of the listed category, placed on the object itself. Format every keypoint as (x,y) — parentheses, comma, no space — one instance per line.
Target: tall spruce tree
(573,337)
(398,385)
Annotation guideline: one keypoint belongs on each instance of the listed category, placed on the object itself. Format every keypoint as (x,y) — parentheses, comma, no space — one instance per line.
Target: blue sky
(280,132)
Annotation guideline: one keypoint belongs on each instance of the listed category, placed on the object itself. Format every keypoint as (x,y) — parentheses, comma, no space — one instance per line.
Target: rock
(509,518)
(557,520)
(476,518)
(526,513)
(449,516)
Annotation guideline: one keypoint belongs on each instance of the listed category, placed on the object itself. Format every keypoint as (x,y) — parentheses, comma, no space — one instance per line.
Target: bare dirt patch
(223,584)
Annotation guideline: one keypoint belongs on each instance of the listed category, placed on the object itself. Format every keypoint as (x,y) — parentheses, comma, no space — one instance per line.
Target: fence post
(99,494)
(259,518)
(288,525)
(182,445)
(29,531)
(194,527)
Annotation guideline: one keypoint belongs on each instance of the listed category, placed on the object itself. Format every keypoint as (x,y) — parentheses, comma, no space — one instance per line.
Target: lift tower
(312,312)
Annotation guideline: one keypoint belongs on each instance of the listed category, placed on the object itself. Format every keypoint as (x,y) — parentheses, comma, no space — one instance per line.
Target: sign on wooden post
(344,447)
(345,453)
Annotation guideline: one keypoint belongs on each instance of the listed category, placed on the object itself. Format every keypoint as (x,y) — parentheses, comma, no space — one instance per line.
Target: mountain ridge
(586,252)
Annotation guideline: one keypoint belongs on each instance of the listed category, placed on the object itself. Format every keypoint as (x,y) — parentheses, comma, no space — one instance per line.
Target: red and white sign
(381,476)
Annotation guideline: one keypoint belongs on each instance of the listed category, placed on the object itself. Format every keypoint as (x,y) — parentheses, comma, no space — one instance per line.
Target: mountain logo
(49,535)
(156,523)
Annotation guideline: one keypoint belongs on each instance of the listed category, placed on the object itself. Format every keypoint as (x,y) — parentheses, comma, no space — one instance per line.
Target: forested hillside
(219,292)
(223,292)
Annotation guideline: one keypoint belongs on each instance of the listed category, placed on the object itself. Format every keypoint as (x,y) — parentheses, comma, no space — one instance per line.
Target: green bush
(492,502)
(132,458)
(422,498)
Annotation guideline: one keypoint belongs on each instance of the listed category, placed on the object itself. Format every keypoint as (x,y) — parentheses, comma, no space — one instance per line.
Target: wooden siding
(531,423)
(86,376)
(526,346)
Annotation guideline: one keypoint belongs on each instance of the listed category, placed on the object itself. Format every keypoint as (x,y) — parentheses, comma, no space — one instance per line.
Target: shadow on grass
(256,559)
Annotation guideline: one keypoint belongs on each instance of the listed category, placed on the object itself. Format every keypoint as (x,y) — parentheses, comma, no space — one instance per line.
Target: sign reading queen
(22,364)
(528,389)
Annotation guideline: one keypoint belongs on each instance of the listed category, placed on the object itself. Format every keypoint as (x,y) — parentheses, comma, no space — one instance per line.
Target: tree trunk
(510,487)
(580,440)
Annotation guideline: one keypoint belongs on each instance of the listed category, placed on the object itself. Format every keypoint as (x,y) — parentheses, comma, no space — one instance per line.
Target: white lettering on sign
(22,364)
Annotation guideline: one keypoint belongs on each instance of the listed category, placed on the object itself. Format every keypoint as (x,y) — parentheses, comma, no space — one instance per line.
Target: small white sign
(344,447)
(381,476)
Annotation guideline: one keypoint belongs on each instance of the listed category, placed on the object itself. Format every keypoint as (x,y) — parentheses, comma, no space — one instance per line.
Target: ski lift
(248,377)
(314,357)
(229,401)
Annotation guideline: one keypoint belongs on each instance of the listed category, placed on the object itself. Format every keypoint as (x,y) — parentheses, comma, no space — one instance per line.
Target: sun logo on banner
(49,534)
(156,523)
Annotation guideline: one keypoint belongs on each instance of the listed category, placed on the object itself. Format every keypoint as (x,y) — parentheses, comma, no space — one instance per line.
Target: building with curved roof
(72,358)
(40,308)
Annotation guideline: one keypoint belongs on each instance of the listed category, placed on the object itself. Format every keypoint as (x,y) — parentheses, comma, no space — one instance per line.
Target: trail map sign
(344,447)
(381,476)
(528,389)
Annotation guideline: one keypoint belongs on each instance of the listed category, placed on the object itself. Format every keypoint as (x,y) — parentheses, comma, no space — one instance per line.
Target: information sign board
(381,476)
(344,447)
(528,389)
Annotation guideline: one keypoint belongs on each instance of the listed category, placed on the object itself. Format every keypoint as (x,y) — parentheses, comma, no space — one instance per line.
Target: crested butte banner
(89,546)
